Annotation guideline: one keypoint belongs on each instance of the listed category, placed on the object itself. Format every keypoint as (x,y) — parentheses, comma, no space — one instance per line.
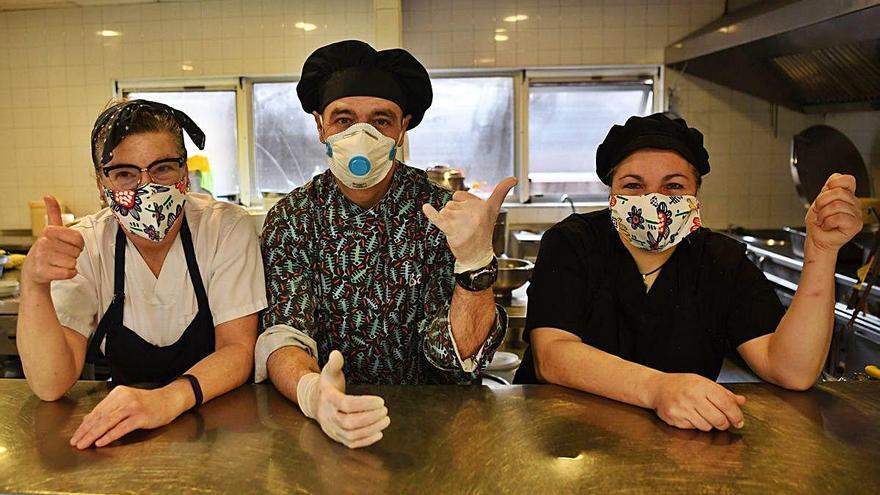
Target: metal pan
(819,151)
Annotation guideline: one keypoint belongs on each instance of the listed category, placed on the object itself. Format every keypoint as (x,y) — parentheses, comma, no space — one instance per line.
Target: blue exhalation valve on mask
(359,166)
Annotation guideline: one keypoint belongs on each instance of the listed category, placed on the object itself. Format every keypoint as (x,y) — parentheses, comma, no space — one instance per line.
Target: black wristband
(197,389)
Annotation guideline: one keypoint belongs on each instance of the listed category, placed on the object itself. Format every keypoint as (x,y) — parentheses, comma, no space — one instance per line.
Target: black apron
(133,360)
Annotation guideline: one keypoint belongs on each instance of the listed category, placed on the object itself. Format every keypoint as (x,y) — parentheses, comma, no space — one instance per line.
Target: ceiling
(6,5)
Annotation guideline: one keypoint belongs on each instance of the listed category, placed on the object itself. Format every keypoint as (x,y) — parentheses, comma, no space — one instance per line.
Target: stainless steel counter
(531,439)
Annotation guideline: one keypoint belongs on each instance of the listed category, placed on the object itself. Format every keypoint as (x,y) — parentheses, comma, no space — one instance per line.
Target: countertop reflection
(453,439)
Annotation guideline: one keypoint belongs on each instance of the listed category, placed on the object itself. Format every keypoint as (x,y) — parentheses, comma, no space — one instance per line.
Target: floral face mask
(655,222)
(150,210)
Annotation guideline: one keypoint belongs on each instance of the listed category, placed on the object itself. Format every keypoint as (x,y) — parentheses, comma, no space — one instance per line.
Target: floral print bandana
(150,210)
(655,222)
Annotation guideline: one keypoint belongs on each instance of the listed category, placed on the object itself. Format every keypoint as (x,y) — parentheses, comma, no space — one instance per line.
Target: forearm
(562,363)
(472,316)
(796,352)
(225,369)
(286,366)
(49,363)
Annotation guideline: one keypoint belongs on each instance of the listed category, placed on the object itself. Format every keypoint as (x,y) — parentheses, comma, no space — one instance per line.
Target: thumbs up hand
(53,256)
(468,223)
(352,420)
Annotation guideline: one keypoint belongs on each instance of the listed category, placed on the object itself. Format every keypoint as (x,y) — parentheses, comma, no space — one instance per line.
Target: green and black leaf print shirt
(375,284)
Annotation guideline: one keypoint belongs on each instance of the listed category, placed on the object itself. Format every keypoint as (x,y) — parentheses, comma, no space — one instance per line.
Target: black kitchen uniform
(133,360)
(708,298)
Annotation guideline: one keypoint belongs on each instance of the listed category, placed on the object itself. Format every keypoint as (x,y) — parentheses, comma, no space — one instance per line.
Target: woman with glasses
(166,284)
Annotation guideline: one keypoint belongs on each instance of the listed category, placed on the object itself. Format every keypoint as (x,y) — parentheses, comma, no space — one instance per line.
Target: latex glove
(53,256)
(352,420)
(468,223)
(836,215)
(690,401)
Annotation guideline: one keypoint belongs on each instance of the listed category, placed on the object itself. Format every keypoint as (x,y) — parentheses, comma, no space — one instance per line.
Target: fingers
(847,182)
(356,421)
(65,235)
(835,194)
(713,415)
(500,192)
(843,222)
(700,421)
(61,248)
(434,216)
(334,363)
(363,436)
(727,404)
(365,442)
(95,425)
(834,209)
(53,211)
(355,403)
(125,427)
(459,196)
(332,377)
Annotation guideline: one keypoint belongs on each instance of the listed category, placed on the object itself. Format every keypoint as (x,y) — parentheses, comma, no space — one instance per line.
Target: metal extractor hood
(813,56)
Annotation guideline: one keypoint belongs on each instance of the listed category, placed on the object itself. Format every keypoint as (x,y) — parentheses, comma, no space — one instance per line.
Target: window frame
(523,80)
(609,74)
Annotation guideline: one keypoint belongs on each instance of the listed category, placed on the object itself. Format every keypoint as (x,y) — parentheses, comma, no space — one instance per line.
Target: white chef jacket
(159,309)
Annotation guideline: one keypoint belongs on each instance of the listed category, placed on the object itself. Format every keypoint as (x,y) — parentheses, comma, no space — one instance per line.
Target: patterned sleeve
(440,348)
(289,318)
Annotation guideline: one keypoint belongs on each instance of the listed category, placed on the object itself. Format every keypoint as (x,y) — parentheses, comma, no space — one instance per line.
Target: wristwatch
(479,279)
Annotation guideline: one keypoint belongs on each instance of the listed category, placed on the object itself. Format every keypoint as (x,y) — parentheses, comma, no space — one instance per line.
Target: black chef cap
(119,118)
(354,68)
(654,131)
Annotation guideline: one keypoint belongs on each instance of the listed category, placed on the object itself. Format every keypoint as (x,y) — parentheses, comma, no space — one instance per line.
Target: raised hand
(468,223)
(53,256)
(836,215)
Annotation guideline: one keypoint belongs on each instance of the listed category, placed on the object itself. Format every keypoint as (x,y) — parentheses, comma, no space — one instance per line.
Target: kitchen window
(567,121)
(542,126)
(469,127)
(287,150)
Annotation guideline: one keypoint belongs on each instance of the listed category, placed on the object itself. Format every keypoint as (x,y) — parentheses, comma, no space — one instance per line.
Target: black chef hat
(354,68)
(119,118)
(654,131)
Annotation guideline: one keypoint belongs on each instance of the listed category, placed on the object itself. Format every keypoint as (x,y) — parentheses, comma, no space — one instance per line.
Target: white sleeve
(76,299)
(274,338)
(237,286)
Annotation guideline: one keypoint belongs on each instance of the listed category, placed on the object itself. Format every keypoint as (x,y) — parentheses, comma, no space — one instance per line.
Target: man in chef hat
(374,274)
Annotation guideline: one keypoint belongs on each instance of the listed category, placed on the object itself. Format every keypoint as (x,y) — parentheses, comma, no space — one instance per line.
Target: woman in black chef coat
(165,283)
(638,302)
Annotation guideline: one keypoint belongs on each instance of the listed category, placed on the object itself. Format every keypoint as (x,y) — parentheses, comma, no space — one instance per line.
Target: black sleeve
(755,309)
(558,289)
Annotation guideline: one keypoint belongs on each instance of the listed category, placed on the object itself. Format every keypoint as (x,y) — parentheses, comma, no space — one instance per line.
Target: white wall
(56,74)
(750,183)
(863,128)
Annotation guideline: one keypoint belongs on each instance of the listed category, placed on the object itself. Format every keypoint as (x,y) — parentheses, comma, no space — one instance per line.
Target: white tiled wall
(750,183)
(56,74)
(863,128)
(461,33)
(749,144)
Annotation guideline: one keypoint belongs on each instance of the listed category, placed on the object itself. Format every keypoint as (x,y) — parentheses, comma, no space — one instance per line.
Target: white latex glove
(352,420)
(468,223)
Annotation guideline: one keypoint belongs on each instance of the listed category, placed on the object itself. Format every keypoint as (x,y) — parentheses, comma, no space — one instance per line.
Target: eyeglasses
(126,177)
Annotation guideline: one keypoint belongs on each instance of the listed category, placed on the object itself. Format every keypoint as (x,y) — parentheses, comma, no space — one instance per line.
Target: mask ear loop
(398,144)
